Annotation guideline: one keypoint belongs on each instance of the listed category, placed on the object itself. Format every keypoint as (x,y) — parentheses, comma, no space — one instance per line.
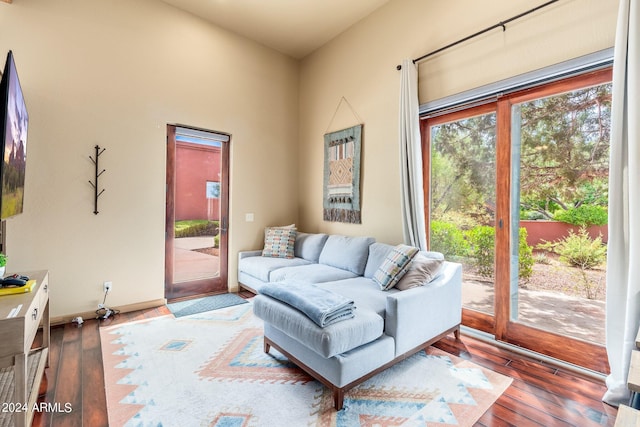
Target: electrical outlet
(108,286)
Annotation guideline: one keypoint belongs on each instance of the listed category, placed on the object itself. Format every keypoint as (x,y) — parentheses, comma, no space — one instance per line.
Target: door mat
(200,305)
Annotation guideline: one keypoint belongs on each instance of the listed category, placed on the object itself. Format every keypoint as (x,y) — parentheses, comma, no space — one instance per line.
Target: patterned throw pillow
(279,242)
(394,266)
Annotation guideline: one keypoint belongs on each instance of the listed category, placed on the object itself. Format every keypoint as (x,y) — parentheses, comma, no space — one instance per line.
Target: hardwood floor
(540,395)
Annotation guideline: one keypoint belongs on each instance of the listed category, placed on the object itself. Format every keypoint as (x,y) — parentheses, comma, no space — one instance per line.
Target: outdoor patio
(190,264)
(574,317)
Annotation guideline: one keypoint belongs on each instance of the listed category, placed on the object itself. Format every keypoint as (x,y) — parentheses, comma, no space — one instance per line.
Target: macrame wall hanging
(342,162)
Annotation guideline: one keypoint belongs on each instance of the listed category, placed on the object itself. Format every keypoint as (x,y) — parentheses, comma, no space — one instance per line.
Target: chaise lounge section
(387,325)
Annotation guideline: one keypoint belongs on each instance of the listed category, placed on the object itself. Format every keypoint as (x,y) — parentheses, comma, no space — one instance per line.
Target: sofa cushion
(347,253)
(308,246)
(377,254)
(394,266)
(422,270)
(433,254)
(261,267)
(329,341)
(310,273)
(279,242)
(344,368)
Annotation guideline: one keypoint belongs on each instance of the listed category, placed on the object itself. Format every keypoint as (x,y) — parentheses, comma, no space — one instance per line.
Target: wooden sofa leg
(267,347)
(456,334)
(338,398)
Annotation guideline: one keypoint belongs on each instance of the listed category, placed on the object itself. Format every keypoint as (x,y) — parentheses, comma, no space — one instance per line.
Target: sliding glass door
(517,192)
(559,199)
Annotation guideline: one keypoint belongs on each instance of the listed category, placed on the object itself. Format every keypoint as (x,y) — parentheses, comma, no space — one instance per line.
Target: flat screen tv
(14,121)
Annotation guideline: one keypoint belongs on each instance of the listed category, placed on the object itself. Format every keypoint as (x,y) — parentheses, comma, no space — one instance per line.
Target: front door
(196,212)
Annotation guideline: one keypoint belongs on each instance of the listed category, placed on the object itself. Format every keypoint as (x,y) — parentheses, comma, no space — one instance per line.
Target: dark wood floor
(540,394)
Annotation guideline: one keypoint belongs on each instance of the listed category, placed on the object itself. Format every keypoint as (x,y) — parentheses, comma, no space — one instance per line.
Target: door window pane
(560,158)
(197,209)
(213,190)
(462,202)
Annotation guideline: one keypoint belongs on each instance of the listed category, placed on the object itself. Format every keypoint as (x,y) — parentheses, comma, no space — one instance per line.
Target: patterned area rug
(209,369)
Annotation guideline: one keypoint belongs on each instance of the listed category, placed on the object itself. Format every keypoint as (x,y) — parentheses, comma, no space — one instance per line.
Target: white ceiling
(293,27)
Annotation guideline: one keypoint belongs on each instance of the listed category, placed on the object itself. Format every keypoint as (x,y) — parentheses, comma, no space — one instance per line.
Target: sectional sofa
(387,326)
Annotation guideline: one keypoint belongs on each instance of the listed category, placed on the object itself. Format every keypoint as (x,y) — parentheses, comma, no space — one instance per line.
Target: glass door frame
(474,319)
(195,288)
(581,353)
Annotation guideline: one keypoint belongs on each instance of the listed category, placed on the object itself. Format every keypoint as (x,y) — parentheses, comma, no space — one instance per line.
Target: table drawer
(44,292)
(34,313)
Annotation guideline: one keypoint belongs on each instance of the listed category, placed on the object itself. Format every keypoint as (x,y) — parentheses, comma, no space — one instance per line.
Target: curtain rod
(499,24)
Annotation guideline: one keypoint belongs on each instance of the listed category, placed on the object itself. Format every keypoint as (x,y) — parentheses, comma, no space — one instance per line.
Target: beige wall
(115,73)
(360,65)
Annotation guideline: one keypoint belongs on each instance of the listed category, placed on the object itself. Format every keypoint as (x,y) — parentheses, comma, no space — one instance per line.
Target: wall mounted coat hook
(99,172)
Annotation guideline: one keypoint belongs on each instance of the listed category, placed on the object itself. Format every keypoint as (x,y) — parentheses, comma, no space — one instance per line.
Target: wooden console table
(20,318)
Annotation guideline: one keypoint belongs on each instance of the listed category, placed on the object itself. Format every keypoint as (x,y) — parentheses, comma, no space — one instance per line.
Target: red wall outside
(540,231)
(195,165)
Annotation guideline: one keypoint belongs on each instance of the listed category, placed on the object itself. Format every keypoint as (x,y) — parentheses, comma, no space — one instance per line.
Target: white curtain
(413,221)
(623,256)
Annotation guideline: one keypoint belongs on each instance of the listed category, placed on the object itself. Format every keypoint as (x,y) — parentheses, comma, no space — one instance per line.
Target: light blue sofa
(388,325)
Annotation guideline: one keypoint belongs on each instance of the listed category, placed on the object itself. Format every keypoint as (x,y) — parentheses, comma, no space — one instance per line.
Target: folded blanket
(320,305)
